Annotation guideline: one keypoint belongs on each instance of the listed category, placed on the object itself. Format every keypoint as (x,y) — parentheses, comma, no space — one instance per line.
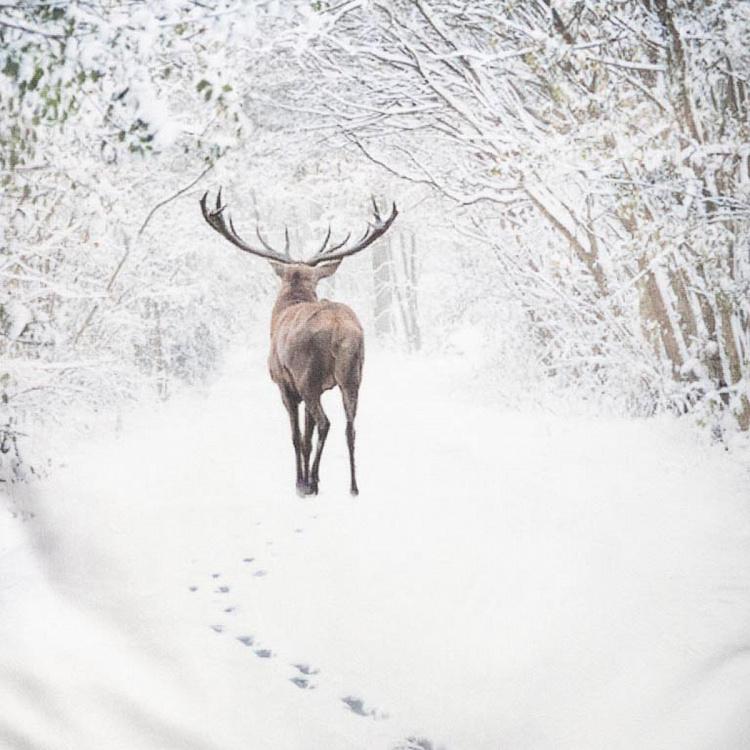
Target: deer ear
(278,268)
(327,269)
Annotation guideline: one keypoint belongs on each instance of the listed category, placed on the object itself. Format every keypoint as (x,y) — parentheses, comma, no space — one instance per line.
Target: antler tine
(375,209)
(341,244)
(325,241)
(233,236)
(263,241)
(271,249)
(217,220)
(231,226)
(372,233)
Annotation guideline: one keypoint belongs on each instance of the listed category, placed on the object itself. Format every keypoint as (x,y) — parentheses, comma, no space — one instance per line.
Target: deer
(316,344)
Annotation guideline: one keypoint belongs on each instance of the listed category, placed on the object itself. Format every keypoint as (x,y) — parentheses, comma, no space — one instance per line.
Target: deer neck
(289,296)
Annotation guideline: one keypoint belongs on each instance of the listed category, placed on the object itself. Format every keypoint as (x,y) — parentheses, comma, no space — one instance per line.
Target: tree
(108,118)
(599,149)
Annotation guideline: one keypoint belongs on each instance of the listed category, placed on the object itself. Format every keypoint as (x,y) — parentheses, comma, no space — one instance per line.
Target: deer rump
(315,347)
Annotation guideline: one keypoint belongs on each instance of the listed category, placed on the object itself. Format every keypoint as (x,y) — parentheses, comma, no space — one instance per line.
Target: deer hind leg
(291,402)
(349,397)
(323,424)
(307,445)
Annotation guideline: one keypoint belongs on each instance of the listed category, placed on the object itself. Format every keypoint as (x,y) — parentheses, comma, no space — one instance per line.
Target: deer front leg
(292,406)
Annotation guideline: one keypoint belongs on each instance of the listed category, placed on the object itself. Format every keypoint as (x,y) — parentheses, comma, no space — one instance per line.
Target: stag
(315,344)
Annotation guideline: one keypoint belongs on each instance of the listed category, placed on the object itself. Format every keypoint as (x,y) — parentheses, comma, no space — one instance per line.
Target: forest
(572,178)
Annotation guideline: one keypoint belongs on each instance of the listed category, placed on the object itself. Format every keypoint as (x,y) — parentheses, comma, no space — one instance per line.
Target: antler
(218,223)
(372,233)
(216,220)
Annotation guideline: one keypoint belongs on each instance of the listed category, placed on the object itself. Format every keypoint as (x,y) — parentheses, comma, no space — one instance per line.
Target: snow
(504,580)
(18,318)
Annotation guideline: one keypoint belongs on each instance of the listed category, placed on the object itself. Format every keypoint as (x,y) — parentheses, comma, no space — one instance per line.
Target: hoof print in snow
(222,590)
(215,575)
(229,609)
(260,573)
(263,653)
(248,559)
(217,628)
(306,669)
(416,743)
(246,640)
(302,683)
(193,588)
(357,706)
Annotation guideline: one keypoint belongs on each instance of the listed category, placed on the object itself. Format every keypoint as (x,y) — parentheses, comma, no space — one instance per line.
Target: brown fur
(315,346)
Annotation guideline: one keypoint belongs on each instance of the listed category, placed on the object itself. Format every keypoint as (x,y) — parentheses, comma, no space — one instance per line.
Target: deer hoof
(354,492)
(304,489)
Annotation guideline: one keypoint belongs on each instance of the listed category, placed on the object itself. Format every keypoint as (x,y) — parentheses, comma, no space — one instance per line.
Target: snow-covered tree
(598,150)
(111,113)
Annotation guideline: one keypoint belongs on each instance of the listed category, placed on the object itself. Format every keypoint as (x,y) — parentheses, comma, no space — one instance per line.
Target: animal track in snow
(305,676)
(357,706)
(416,743)
(302,680)
(306,669)
(302,683)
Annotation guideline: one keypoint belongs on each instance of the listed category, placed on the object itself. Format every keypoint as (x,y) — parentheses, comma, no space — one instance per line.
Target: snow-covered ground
(503,581)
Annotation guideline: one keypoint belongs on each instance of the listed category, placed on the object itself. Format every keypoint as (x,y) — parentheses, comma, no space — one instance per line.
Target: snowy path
(503,581)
